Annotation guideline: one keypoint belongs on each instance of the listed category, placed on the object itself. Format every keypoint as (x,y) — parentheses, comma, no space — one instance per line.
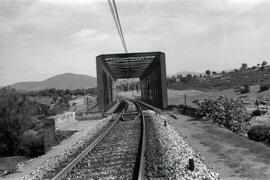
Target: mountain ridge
(61,81)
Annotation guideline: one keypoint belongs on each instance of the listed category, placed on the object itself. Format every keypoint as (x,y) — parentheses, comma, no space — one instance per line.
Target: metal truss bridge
(149,67)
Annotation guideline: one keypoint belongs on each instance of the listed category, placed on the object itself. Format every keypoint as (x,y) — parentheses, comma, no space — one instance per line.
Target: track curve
(118,154)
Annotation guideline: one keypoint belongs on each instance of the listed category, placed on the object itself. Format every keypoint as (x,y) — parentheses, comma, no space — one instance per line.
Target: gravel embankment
(168,154)
(50,167)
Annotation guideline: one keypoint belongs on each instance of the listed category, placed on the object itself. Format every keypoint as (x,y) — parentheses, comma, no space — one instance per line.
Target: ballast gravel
(168,154)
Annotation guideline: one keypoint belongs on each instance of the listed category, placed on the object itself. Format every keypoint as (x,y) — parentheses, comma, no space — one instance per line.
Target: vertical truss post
(100,84)
(163,76)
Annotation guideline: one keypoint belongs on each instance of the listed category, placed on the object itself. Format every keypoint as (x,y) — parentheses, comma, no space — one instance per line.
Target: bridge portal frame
(149,67)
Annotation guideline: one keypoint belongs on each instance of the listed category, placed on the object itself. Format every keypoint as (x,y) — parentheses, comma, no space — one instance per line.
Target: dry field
(176,97)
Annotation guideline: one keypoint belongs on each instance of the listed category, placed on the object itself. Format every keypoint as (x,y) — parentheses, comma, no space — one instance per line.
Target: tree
(244,66)
(125,87)
(173,79)
(223,72)
(214,72)
(184,80)
(253,67)
(244,89)
(261,68)
(208,72)
(264,63)
(179,76)
(42,108)
(137,86)
(16,116)
(189,77)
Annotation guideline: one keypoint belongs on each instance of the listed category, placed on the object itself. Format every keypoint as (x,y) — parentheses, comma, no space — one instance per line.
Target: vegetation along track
(116,154)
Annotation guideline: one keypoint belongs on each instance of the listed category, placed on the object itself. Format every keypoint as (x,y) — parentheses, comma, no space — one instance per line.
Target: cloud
(245,2)
(84,33)
(55,36)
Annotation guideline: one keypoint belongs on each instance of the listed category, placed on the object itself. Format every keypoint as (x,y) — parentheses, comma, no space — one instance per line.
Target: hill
(227,80)
(62,81)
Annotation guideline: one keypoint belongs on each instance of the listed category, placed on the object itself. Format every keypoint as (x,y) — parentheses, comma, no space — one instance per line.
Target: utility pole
(132,87)
(185,100)
(87,104)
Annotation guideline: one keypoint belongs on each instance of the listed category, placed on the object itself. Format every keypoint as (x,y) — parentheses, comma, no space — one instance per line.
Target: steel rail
(141,173)
(141,168)
(157,110)
(64,172)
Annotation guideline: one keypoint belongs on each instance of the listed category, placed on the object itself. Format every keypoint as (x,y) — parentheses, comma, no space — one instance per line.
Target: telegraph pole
(87,104)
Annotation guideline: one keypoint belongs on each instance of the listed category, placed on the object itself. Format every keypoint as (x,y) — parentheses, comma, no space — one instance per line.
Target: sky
(42,38)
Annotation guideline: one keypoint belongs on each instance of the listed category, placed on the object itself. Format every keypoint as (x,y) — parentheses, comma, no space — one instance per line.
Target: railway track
(116,154)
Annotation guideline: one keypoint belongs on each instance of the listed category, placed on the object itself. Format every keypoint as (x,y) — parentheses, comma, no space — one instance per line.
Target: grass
(176,97)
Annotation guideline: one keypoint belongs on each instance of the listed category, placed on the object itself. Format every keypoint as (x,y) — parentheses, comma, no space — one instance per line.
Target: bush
(259,133)
(205,108)
(16,116)
(258,112)
(32,143)
(264,87)
(227,112)
(244,89)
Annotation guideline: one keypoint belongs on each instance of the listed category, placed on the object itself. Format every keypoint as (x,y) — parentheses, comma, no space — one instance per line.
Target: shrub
(205,108)
(259,133)
(3,144)
(264,87)
(16,116)
(227,112)
(32,143)
(170,107)
(244,89)
(258,112)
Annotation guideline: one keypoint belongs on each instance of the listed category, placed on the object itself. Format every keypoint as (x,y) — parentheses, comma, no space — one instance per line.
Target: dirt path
(232,156)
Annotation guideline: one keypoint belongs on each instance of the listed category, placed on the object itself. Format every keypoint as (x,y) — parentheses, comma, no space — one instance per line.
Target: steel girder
(150,67)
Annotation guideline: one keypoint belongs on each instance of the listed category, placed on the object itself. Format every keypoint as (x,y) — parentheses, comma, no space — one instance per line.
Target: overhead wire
(120,27)
(116,18)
